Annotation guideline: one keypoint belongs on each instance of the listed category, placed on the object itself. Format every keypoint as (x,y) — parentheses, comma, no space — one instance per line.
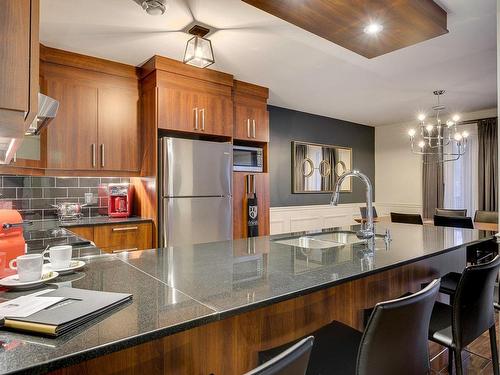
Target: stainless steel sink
(308,242)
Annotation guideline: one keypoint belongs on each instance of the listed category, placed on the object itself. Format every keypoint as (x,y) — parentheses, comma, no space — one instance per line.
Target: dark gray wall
(287,125)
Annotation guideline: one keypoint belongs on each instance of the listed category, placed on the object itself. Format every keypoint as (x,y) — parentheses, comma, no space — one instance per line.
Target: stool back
(395,338)
(292,361)
(473,311)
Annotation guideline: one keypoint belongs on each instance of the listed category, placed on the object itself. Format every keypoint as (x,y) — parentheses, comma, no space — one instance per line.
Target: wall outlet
(89,198)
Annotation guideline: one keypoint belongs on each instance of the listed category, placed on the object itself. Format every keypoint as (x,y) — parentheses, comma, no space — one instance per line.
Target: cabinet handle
(248,128)
(253,124)
(202,119)
(195,118)
(102,155)
(124,228)
(124,250)
(93,155)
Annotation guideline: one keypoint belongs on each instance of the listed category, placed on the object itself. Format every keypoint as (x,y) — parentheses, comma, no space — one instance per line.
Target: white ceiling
(302,71)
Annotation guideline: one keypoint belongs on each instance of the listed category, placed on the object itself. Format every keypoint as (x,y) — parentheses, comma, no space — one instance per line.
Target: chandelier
(438,142)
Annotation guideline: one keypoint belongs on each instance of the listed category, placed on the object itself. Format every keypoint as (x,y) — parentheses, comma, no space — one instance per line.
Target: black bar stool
(394,341)
(471,314)
(292,361)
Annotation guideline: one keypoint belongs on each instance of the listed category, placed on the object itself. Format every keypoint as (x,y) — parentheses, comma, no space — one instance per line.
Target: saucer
(12,282)
(73,266)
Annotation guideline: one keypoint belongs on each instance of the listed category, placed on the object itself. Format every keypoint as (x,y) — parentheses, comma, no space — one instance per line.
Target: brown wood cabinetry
(114,238)
(240,203)
(191,100)
(97,125)
(19,20)
(251,118)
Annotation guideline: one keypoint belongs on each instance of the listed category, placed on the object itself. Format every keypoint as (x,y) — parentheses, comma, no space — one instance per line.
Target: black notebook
(78,307)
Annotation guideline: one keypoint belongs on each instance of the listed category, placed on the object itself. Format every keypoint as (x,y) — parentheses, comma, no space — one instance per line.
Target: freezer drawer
(195,220)
(192,168)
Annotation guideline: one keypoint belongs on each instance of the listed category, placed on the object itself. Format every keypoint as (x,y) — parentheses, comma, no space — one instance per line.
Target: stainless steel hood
(47,110)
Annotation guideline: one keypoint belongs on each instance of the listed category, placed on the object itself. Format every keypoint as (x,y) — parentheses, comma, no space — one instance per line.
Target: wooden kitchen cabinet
(240,203)
(72,134)
(251,118)
(97,127)
(191,111)
(115,238)
(19,60)
(118,129)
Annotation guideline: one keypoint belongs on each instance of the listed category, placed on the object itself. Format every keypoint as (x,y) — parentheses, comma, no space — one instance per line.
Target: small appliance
(120,197)
(248,159)
(12,243)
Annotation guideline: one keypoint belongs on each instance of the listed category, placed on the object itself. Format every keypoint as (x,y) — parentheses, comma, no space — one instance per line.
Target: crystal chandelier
(439,142)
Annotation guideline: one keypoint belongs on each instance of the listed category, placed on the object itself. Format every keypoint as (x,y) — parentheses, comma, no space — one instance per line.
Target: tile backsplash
(33,196)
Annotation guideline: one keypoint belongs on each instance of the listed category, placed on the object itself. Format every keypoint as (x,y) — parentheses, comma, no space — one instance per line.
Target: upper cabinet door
(177,110)
(216,115)
(118,130)
(19,56)
(251,123)
(72,135)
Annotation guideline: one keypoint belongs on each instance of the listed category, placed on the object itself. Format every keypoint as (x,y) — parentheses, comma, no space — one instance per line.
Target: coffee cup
(29,267)
(59,256)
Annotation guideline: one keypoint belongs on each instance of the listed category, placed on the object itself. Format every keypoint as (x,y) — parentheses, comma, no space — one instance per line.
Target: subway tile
(50,214)
(77,192)
(8,193)
(16,181)
(31,214)
(42,203)
(55,192)
(89,181)
(94,211)
(66,200)
(15,204)
(43,182)
(66,182)
(108,180)
(29,192)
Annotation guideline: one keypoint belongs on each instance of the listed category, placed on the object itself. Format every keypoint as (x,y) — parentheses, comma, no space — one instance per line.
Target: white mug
(29,267)
(59,256)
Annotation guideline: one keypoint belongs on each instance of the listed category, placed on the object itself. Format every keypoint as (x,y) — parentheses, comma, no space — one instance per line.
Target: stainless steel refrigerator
(195,191)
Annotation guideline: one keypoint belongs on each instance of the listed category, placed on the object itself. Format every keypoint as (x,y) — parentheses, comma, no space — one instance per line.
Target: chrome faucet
(367,230)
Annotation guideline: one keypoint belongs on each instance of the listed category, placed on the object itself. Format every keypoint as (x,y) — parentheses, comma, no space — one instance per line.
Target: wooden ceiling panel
(405,22)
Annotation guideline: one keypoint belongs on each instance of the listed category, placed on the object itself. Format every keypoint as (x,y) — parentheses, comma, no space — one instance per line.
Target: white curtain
(461,176)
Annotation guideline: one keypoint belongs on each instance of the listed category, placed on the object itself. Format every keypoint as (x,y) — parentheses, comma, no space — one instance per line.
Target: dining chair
(451,212)
(453,221)
(393,342)
(292,361)
(469,315)
(486,217)
(406,218)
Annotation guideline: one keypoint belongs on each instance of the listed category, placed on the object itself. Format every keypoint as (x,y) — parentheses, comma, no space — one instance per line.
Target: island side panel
(230,346)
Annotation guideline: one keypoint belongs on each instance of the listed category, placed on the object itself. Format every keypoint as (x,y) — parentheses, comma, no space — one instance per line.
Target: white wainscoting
(301,218)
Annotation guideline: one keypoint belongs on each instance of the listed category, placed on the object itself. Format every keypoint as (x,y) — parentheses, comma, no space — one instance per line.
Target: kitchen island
(209,308)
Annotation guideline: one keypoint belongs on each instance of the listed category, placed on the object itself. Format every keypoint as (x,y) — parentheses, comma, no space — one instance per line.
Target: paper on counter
(24,306)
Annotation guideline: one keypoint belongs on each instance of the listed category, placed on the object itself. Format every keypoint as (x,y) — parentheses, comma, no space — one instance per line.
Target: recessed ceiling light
(373,28)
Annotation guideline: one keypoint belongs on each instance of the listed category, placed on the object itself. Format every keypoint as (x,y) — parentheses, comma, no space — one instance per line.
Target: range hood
(47,110)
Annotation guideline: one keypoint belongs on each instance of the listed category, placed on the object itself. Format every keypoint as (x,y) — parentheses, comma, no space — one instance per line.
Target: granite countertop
(178,288)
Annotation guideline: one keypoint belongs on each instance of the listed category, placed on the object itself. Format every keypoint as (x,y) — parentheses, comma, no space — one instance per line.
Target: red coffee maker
(120,198)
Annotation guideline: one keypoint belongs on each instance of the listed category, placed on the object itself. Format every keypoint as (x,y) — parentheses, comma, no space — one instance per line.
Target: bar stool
(394,341)
(292,361)
(470,315)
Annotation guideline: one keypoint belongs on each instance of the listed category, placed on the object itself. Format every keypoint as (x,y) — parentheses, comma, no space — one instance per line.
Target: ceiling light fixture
(373,28)
(153,7)
(199,50)
(440,143)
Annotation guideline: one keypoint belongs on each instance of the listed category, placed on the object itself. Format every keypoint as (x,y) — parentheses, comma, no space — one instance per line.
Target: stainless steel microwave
(248,159)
